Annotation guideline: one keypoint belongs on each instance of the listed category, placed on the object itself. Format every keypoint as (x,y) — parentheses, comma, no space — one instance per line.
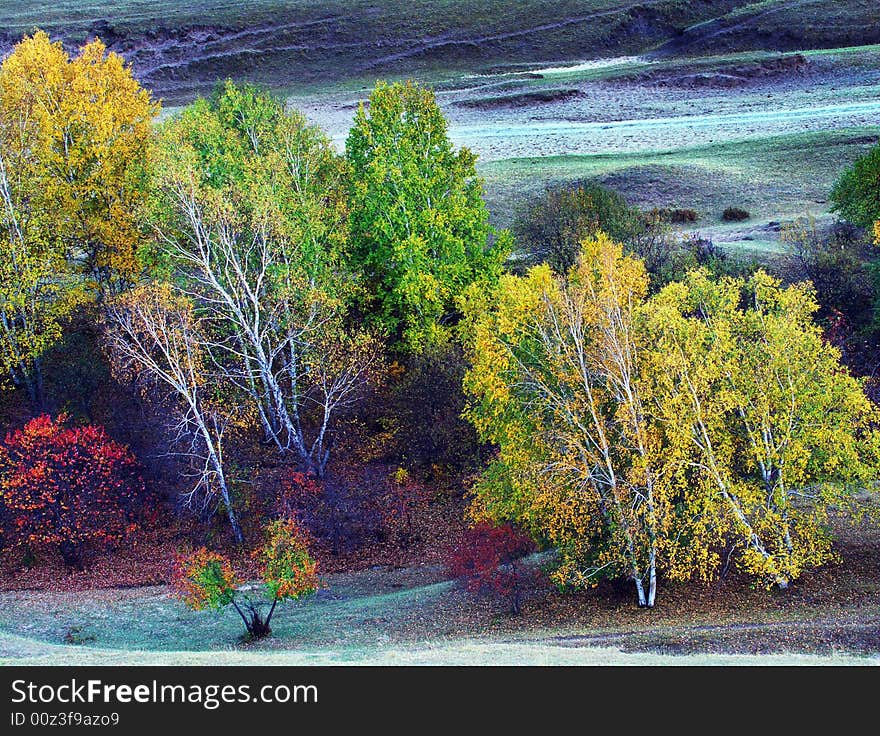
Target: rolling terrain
(701,105)
(179,49)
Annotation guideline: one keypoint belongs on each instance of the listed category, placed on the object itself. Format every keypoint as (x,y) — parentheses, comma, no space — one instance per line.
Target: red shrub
(71,488)
(486,560)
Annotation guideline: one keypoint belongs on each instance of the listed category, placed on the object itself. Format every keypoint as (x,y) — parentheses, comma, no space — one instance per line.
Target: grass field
(673,103)
(179,48)
(775,179)
(413,615)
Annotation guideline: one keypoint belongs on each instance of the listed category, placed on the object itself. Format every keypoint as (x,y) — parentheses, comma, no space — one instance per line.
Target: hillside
(179,49)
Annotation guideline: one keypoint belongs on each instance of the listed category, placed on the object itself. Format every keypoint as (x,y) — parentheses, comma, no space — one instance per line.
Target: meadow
(695,105)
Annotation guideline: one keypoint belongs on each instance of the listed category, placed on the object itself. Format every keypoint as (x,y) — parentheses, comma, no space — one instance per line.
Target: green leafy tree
(419,227)
(856,194)
(249,221)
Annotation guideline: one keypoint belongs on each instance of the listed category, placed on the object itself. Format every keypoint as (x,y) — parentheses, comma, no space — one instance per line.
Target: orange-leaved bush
(287,567)
(66,487)
(206,580)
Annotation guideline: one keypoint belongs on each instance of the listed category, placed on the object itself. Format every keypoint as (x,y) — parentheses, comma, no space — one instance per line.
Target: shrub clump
(65,487)
(676,216)
(486,561)
(735,214)
(550,227)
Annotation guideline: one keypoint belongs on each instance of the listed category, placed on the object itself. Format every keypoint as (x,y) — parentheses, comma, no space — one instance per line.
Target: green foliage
(249,217)
(856,194)
(419,227)
(550,228)
(259,170)
(204,580)
(841,267)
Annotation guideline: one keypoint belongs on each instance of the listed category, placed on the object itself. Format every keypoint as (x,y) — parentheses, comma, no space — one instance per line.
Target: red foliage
(299,492)
(486,560)
(70,488)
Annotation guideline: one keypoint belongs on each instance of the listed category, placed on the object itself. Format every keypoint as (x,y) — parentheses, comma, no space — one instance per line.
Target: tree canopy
(647,435)
(420,230)
(856,194)
(74,140)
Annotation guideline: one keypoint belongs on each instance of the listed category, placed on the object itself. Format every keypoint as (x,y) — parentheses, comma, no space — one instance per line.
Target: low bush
(486,561)
(677,216)
(551,226)
(735,214)
(65,487)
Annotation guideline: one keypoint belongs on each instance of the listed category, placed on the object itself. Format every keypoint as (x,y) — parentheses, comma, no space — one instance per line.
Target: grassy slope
(180,48)
(784,25)
(779,177)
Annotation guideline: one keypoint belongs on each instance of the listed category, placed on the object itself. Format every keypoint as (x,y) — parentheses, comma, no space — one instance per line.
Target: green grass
(149,619)
(779,177)
(419,17)
(19,651)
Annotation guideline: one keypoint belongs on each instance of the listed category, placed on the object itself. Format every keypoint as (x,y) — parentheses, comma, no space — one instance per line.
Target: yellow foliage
(640,434)
(75,129)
